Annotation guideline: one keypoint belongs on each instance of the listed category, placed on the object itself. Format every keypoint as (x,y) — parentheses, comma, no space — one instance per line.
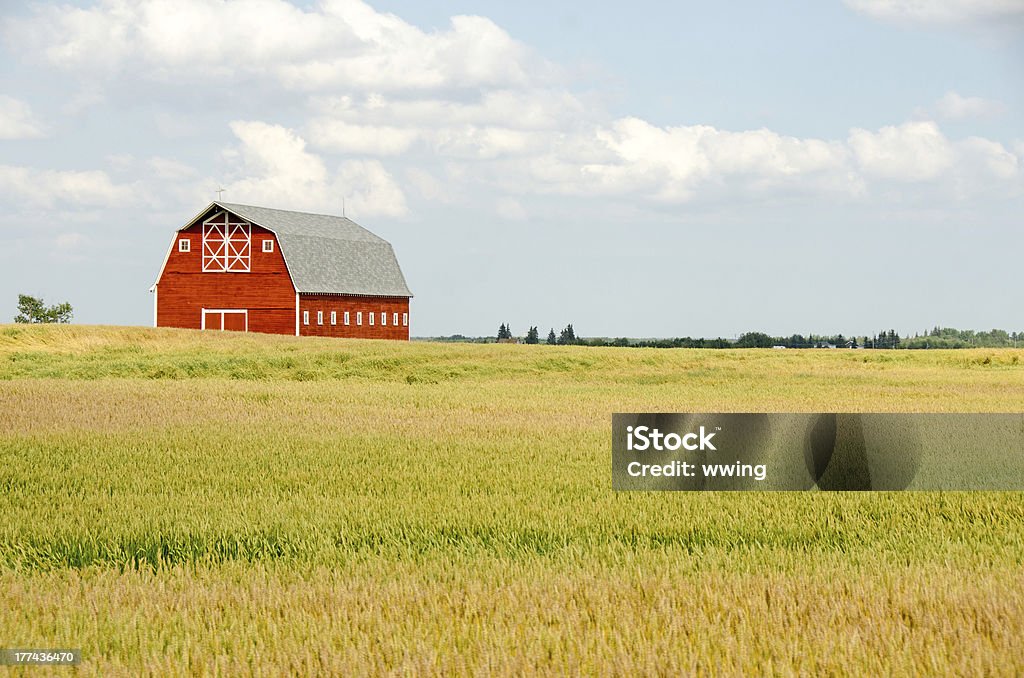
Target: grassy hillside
(171,501)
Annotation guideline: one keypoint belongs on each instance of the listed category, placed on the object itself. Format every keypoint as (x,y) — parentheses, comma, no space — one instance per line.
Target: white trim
(394,319)
(405,320)
(184,246)
(359,318)
(156,296)
(319,317)
(348,318)
(372,318)
(223,312)
(270,242)
(227,247)
(334,317)
(305,317)
(296,314)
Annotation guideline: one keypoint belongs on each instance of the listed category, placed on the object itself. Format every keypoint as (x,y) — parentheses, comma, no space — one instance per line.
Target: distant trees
(754,340)
(937,337)
(568,336)
(33,310)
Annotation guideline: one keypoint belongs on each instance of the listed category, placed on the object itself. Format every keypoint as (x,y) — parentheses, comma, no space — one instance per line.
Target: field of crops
(174,502)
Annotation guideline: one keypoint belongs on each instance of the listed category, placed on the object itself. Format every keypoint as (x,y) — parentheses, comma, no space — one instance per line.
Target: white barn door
(231,319)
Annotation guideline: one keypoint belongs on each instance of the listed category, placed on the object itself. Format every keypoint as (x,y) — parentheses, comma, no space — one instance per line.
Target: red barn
(253,269)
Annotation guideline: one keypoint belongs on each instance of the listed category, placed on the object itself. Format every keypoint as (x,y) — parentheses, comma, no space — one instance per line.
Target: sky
(642,169)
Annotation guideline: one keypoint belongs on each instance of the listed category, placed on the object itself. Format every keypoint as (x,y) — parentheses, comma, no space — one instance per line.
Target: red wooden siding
(266,291)
(341,303)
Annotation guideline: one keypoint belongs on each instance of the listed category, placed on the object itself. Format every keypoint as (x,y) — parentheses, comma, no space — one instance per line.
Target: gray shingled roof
(329,255)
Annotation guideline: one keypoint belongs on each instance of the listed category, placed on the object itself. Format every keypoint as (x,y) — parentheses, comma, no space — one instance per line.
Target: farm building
(254,269)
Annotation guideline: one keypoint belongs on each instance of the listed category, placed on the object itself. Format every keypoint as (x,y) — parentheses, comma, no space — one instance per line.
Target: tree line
(937,337)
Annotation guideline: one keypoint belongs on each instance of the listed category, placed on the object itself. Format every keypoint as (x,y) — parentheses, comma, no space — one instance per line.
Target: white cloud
(170,170)
(338,45)
(277,170)
(343,137)
(47,188)
(940,11)
(913,151)
(510,209)
(17,120)
(953,106)
(69,241)
(434,190)
(678,164)
(991,158)
(368,189)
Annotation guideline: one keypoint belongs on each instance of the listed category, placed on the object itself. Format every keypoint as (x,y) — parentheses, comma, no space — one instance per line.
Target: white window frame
(305,317)
(227,247)
(383,318)
(268,245)
(347,318)
(394,319)
(334,317)
(405,320)
(359,318)
(319,317)
(373,318)
(184,245)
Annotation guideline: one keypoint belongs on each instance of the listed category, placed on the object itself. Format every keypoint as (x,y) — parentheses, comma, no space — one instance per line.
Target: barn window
(346,317)
(394,319)
(372,316)
(305,317)
(319,317)
(268,245)
(405,319)
(226,244)
(359,318)
(383,318)
(334,317)
(184,245)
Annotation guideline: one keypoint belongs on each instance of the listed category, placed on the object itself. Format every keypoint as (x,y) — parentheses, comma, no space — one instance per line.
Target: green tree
(754,340)
(532,336)
(568,336)
(552,339)
(33,310)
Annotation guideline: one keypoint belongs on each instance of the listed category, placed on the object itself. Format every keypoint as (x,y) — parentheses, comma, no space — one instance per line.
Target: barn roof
(327,254)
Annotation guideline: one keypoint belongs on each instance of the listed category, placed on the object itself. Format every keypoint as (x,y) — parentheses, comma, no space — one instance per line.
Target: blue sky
(650,169)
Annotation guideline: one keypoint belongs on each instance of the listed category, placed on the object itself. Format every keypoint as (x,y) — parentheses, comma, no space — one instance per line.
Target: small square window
(372,317)
(268,245)
(319,317)
(405,319)
(359,317)
(346,318)
(394,319)
(305,317)
(383,318)
(334,317)
(184,245)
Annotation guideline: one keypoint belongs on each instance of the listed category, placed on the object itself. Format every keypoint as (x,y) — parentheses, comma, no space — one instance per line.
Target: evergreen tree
(568,336)
(552,339)
(532,336)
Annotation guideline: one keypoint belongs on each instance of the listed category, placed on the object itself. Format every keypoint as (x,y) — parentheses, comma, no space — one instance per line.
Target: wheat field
(178,503)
